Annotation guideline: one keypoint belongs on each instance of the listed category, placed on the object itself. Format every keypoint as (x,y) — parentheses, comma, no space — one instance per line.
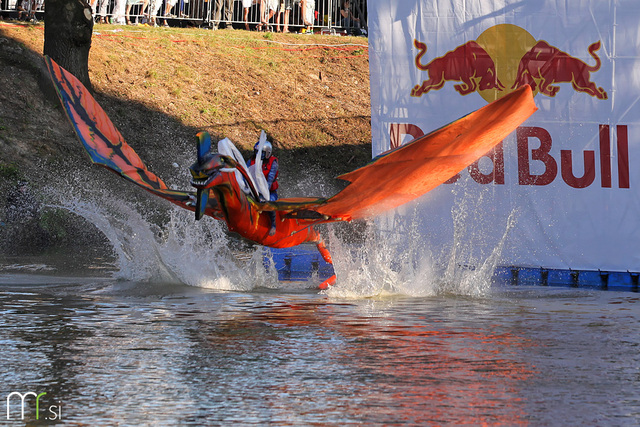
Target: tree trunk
(68,25)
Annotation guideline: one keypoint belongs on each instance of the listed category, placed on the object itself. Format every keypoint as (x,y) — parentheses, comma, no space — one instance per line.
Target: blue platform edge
(595,279)
(301,263)
(298,263)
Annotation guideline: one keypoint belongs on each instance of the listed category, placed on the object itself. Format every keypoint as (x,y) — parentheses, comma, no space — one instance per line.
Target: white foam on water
(179,250)
(26,267)
(398,260)
(383,265)
(167,245)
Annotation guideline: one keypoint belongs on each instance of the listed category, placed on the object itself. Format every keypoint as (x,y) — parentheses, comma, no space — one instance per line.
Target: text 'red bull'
(526,156)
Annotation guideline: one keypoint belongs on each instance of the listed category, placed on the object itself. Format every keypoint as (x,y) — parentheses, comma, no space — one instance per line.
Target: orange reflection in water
(392,370)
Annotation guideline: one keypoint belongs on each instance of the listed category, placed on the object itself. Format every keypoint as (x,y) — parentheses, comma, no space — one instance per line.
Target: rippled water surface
(170,327)
(117,352)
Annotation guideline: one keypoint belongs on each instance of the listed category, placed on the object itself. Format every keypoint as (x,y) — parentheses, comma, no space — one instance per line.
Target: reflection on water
(167,327)
(130,353)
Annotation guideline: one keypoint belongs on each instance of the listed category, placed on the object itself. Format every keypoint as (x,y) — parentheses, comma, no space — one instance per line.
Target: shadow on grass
(34,130)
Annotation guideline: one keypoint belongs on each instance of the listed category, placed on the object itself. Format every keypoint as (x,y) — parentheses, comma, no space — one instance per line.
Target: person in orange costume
(225,191)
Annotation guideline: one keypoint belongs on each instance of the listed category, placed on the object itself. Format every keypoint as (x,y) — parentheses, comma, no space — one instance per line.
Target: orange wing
(104,143)
(407,172)
(390,180)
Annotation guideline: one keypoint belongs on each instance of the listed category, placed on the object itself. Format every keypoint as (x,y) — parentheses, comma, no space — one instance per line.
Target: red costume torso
(266,168)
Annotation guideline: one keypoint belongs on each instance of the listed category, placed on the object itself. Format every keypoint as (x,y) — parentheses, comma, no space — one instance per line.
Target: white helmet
(267,149)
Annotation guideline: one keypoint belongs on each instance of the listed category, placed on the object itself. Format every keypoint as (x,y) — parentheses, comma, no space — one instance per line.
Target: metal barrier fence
(261,15)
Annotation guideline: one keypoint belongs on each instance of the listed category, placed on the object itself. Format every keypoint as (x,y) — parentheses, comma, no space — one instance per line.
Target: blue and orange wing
(104,143)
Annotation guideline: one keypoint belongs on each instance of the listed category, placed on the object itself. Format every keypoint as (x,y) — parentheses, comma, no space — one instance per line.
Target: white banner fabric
(564,190)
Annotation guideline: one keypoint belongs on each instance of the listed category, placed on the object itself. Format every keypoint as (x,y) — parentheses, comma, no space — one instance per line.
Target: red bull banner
(563,191)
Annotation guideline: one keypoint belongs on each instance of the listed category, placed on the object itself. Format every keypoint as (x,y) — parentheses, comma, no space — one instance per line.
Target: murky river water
(117,352)
(171,330)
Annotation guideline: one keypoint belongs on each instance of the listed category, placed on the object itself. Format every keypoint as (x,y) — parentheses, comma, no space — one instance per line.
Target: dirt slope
(160,86)
(310,93)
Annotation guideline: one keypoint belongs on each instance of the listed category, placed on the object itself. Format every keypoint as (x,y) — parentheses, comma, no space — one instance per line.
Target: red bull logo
(468,64)
(504,58)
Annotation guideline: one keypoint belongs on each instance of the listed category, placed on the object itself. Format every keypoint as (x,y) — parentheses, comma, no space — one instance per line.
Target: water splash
(156,243)
(384,264)
(475,277)
(397,258)
(473,259)
(170,248)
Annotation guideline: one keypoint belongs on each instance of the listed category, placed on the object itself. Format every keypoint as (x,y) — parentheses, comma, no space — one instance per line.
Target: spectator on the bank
(154,8)
(24,7)
(130,4)
(167,10)
(228,13)
(272,7)
(35,6)
(27,9)
(349,22)
(246,5)
(288,5)
(118,14)
(307,10)
(99,8)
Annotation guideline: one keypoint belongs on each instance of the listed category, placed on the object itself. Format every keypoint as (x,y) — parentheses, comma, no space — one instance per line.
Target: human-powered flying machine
(229,191)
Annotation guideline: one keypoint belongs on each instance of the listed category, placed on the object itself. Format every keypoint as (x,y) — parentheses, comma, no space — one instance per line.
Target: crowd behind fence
(329,16)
